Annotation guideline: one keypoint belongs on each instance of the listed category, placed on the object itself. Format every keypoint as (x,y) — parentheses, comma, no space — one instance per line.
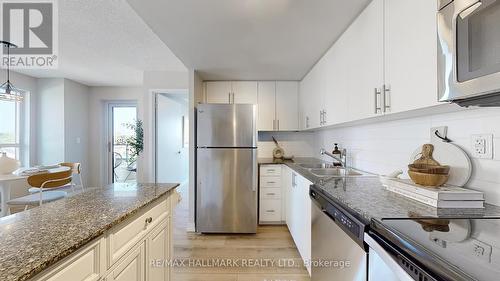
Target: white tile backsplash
(387,146)
(298,144)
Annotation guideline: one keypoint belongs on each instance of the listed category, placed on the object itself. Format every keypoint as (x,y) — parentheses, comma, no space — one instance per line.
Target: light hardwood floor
(272,252)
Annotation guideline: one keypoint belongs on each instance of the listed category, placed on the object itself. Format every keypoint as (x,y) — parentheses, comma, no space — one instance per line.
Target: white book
(461,204)
(446,192)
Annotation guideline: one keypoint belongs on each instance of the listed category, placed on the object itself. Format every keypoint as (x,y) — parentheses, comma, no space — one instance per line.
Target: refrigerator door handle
(255,179)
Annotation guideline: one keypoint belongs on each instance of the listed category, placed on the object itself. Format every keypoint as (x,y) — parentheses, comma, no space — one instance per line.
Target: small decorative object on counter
(337,153)
(7,165)
(278,152)
(426,171)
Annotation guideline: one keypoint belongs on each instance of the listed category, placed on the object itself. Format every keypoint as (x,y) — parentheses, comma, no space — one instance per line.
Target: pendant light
(7,90)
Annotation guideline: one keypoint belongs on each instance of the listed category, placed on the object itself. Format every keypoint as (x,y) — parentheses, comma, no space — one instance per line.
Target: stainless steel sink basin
(337,172)
(316,166)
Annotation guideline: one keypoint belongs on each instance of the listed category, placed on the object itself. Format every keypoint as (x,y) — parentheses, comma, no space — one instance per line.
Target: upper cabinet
(385,62)
(277,100)
(287,105)
(410,54)
(231,92)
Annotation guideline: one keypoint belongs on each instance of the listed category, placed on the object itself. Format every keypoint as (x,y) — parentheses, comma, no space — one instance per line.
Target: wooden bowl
(429,169)
(431,180)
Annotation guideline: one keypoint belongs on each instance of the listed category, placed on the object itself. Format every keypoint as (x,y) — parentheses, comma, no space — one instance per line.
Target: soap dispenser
(338,154)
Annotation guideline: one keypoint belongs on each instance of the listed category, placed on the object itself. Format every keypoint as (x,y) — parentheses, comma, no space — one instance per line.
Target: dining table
(7,180)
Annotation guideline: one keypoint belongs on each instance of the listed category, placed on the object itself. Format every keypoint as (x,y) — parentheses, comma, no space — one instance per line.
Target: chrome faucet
(342,159)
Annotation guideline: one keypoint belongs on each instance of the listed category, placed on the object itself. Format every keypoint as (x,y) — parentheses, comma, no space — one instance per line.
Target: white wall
(76,124)
(50,121)
(387,146)
(298,144)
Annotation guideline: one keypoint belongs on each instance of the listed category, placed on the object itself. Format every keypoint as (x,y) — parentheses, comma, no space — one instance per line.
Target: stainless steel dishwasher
(337,248)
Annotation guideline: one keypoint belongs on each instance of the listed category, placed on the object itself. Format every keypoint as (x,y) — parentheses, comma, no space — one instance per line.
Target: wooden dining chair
(46,184)
(76,169)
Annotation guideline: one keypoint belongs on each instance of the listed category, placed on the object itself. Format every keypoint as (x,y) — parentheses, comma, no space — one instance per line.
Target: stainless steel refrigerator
(226,168)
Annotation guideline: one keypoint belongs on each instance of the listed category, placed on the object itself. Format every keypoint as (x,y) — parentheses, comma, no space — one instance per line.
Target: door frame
(108,134)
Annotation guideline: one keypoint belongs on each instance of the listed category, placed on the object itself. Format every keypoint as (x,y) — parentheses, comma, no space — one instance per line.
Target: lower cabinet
(137,249)
(131,268)
(298,214)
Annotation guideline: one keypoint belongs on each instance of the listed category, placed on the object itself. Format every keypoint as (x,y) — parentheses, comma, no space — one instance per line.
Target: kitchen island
(98,233)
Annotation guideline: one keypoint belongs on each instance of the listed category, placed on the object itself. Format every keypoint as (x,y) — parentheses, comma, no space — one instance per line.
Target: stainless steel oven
(469,52)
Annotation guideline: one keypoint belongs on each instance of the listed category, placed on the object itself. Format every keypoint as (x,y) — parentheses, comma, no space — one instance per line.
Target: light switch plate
(482,146)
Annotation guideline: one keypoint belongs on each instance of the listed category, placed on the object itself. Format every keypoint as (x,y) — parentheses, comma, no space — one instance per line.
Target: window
(12,136)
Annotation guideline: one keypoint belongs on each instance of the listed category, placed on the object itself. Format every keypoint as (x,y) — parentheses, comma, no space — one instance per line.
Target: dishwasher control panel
(353,227)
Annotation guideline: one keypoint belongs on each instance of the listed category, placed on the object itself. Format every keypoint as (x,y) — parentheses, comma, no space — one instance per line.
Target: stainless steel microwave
(469,52)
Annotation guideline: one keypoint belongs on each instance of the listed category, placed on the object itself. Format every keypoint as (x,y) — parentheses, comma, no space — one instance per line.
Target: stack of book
(446,196)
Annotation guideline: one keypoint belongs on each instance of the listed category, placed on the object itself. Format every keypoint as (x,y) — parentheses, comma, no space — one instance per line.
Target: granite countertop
(368,199)
(33,240)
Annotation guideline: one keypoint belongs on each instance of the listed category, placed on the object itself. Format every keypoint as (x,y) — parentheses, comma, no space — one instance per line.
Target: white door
(364,47)
(131,268)
(158,250)
(245,92)
(266,105)
(287,95)
(218,92)
(172,131)
(411,53)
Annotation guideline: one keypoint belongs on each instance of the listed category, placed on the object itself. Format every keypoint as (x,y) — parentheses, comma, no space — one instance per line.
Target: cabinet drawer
(84,265)
(270,193)
(270,170)
(124,236)
(270,181)
(132,267)
(270,210)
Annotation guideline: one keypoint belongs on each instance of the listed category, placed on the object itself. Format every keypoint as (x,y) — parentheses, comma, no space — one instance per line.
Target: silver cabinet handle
(271,182)
(229,98)
(269,211)
(307,122)
(278,125)
(294,183)
(271,193)
(149,220)
(324,117)
(387,97)
(377,95)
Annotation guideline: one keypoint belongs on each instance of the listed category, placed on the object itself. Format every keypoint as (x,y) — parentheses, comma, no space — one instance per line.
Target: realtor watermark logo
(33,27)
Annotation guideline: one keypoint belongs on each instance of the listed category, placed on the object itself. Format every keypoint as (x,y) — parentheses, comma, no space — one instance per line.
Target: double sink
(328,170)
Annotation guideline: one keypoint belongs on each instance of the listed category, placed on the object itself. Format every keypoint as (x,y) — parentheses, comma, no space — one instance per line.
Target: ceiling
(249,39)
(105,43)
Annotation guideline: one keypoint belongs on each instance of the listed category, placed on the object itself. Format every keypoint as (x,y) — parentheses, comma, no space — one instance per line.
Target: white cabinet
(244,92)
(364,42)
(270,197)
(298,214)
(410,54)
(278,106)
(287,105)
(267,106)
(231,92)
(218,92)
(125,252)
(158,248)
(131,268)
(384,62)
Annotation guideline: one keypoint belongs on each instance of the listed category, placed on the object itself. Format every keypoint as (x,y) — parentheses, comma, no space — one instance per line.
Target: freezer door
(226,125)
(226,191)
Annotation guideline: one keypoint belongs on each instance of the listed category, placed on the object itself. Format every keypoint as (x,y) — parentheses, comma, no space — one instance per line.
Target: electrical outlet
(480,250)
(482,146)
